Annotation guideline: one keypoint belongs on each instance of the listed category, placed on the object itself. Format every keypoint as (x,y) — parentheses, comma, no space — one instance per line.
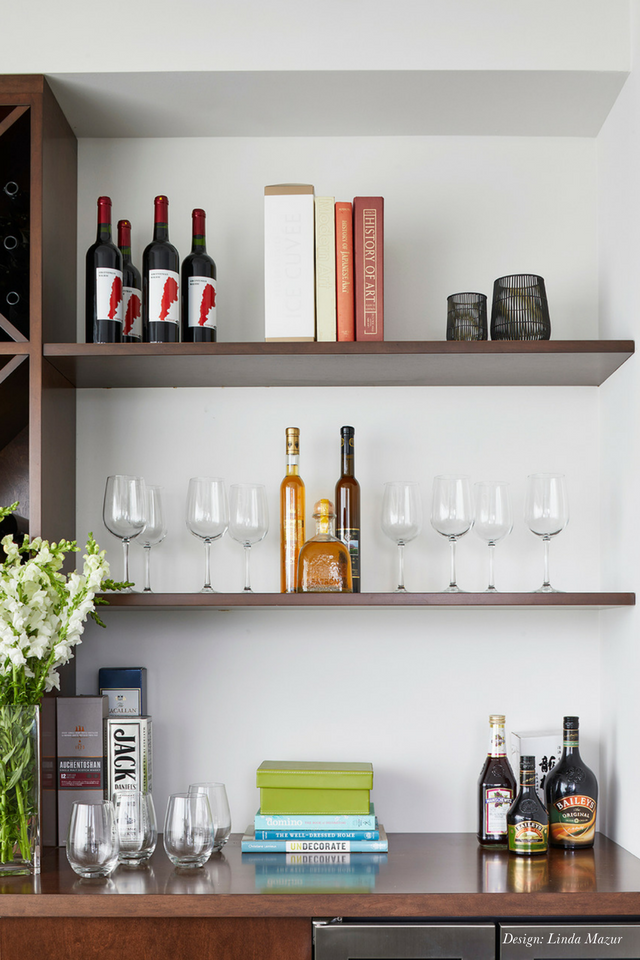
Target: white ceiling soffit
(338,103)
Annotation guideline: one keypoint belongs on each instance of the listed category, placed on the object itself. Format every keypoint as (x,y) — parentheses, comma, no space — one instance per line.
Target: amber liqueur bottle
(324,565)
(291,514)
(571,792)
(347,499)
(527,820)
(496,788)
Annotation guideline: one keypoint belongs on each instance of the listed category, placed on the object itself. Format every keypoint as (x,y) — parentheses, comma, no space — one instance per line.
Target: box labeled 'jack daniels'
(80,729)
(129,754)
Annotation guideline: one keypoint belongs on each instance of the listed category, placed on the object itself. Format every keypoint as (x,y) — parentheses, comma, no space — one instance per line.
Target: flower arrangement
(42,617)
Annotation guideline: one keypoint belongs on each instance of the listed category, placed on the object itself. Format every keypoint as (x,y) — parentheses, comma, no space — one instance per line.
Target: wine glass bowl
(546,513)
(124,512)
(207,516)
(493,518)
(452,516)
(401,518)
(248,519)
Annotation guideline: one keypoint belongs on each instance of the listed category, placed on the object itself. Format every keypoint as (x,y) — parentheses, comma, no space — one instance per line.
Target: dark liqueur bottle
(131,288)
(496,788)
(199,290)
(104,283)
(161,282)
(572,795)
(527,819)
(348,504)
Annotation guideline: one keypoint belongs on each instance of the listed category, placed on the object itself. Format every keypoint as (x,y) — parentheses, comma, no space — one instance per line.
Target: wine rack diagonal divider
(11,118)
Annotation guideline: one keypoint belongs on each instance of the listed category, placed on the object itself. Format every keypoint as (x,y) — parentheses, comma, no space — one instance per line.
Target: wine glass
(155,530)
(207,517)
(401,518)
(124,513)
(220,813)
(248,519)
(452,515)
(494,518)
(546,513)
(92,838)
(188,830)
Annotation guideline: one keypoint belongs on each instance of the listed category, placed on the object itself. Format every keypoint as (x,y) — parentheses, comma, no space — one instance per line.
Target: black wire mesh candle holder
(520,310)
(467,316)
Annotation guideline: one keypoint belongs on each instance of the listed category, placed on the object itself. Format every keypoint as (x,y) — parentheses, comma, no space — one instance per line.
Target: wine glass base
(453,588)
(547,588)
(491,590)
(400,590)
(207,589)
(247,590)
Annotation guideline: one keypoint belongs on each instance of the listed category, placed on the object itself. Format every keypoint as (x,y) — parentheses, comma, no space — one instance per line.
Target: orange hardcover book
(345,309)
(368,248)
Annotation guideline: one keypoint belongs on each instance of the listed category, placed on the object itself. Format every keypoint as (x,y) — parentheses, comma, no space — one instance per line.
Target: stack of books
(312,807)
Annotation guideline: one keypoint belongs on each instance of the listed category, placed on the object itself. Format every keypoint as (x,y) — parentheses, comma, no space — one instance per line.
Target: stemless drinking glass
(220,813)
(494,518)
(452,516)
(546,513)
(92,838)
(207,517)
(401,518)
(154,532)
(136,824)
(124,512)
(188,830)
(248,519)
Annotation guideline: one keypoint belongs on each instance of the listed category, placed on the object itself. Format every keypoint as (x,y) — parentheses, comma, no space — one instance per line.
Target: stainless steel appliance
(401,940)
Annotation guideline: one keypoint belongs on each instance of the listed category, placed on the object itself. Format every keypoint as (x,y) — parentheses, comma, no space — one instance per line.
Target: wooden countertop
(423,875)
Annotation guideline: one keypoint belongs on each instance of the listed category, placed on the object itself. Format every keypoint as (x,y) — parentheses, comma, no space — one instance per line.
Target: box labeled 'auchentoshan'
(305,786)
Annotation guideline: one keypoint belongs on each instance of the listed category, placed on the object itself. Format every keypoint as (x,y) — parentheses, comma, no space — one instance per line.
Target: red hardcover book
(368,248)
(344,271)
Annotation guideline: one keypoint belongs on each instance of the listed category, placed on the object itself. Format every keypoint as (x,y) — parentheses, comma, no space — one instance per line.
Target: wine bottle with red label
(571,792)
(199,291)
(104,283)
(161,282)
(131,288)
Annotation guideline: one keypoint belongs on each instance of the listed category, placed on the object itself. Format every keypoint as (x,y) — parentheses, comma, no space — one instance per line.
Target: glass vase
(19,789)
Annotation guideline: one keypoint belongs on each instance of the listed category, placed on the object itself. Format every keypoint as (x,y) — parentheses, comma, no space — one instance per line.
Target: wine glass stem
(247,554)
(125,560)
(546,541)
(207,565)
(452,555)
(147,569)
(492,585)
(400,565)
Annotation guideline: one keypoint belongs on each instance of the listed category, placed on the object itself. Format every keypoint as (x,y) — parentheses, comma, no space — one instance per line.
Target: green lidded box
(307,786)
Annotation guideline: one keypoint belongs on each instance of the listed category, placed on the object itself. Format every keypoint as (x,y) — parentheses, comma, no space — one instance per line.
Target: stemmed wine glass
(207,517)
(154,532)
(124,513)
(546,513)
(452,516)
(248,519)
(401,518)
(494,518)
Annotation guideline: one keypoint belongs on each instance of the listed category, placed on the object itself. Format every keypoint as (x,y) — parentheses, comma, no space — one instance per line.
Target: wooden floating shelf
(226,601)
(390,363)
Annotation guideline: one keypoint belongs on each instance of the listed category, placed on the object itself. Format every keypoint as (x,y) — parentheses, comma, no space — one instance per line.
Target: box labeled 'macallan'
(129,754)
(126,688)
(81,749)
(289,262)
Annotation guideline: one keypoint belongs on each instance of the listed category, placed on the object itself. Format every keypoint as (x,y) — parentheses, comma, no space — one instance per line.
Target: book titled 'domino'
(368,247)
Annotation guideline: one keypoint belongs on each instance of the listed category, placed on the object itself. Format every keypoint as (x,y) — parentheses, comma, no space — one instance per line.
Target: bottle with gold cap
(496,788)
(324,565)
(291,514)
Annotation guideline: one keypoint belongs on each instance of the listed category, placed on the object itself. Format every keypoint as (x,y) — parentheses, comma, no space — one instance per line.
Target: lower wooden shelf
(226,601)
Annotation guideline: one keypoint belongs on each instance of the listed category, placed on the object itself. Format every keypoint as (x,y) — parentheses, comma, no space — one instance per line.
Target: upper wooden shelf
(224,601)
(397,363)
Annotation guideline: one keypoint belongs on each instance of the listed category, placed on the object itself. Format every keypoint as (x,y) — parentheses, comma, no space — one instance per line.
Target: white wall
(619,245)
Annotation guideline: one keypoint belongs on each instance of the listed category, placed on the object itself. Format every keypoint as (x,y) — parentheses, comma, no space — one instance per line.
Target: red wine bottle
(104,283)
(161,282)
(199,290)
(131,288)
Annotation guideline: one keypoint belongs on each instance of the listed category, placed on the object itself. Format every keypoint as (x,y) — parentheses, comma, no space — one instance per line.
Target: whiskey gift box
(129,754)
(291,786)
(80,728)
(126,688)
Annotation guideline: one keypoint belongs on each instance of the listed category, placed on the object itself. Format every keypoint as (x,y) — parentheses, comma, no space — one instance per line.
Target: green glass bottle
(571,792)
(527,820)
